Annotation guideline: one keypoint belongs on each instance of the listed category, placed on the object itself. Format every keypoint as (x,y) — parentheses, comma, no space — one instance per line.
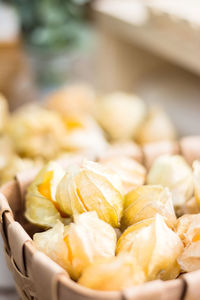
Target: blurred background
(147,47)
(150,48)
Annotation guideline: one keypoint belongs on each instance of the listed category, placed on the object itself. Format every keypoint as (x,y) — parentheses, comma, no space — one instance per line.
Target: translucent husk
(41,206)
(15,165)
(92,188)
(173,172)
(36,131)
(196,176)
(188,229)
(155,247)
(145,201)
(190,259)
(132,173)
(126,148)
(121,115)
(83,134)
(3,113)
(73,100)
(79,244)
(157,127)
(113,274)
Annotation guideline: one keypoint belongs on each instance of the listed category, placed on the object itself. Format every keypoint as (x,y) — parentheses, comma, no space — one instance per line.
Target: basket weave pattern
(37,277)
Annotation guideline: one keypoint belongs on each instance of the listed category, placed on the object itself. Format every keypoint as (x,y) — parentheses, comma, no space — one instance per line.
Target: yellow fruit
(188,228)
(196,176)
(6,151)
(73,100)
(126,148)
(132,173)
(83,135)
(52,243)
(41,205)
(91,187)
(173,172)
(121,115)
(3,113)
(15,165)
(145,201)
(190,259)
(155,247)
(36,132)
(79,244)
(113,274)
(157,127)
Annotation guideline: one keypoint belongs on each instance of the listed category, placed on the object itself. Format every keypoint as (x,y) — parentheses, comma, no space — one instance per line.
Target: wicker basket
(38,277)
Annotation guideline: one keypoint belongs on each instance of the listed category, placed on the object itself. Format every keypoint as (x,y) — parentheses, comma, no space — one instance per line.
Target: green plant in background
(51,23)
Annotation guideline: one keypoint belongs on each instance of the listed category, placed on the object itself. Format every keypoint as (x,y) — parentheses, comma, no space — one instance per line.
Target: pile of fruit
(116,197)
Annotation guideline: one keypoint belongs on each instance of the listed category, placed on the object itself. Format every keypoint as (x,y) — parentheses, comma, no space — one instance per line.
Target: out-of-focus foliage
(51,23)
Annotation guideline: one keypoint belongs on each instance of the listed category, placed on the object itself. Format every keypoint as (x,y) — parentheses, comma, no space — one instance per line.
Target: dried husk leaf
(72,100)
(36,132)
(157,127)
(121,115)
(79,244)
(196,176)
(155,247)
(146,201)
(126,148)
(52,243)
(188,228)
(92,188)
(89,239)
(190,259)
(173,172)
(16,165)
(83,135)
(41,206)
(132,173)
(3,113)
(113,274)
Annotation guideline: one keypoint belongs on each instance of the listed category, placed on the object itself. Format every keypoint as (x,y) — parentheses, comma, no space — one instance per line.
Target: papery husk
(132,173)
(196,177)
(189,261)
(79,244)
(121,115)
(146,201)
(113,274)
(16,165)
(155,149)
(52,243)
(41,206)
(89,239)
(189,207)
(126,148)
(6,151)
(155,247)
(92,188)
(36,132)
(188,228)
(83,135)
(173,172)
(72,100)
(157,127)
(4,114)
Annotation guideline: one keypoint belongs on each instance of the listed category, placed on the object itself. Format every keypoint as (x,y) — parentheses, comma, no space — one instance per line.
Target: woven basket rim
(7,218)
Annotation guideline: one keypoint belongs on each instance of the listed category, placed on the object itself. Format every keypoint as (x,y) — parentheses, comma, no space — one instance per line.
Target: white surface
(9,24)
